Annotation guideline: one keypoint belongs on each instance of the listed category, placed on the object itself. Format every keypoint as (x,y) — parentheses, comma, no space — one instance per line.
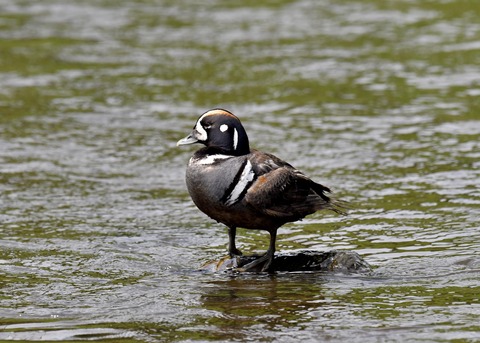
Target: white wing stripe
(245,179)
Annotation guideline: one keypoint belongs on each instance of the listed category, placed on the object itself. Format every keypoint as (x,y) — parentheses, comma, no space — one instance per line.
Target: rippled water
(99,239)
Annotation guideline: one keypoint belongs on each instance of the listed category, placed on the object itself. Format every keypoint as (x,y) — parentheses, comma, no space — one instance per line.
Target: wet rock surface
(297,261)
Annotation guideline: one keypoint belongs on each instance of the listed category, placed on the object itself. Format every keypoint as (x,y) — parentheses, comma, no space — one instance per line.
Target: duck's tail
(332,203)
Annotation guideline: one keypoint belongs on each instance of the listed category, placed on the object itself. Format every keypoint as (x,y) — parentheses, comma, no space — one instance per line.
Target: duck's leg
(271,251)
(232,249)
(265,261)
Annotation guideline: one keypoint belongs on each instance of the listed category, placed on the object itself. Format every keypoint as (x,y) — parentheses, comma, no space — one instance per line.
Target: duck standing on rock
(247,188)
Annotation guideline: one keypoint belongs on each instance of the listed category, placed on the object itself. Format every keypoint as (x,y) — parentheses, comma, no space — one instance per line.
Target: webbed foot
(261,264)
(234,252)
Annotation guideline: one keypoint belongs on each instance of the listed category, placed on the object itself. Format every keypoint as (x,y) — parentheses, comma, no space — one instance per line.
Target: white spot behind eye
(235,139)
(223,127)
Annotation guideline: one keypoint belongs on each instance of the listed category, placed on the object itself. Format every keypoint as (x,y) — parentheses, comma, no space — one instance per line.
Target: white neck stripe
(235,139)
(211,159)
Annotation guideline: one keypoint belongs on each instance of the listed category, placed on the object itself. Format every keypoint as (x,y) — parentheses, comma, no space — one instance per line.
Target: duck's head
(220,130)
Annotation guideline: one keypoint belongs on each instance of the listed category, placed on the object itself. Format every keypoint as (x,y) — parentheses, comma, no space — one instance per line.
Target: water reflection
(246,307)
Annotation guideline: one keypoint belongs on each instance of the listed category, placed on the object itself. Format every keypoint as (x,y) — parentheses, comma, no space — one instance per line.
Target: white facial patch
(223,127)
(235,139)
(245,179)
(201,130)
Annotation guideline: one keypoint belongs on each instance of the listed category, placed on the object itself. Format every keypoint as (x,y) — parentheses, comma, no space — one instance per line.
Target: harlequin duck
(243,187)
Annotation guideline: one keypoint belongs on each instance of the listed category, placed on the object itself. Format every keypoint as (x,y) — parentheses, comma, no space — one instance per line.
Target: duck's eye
(207,127)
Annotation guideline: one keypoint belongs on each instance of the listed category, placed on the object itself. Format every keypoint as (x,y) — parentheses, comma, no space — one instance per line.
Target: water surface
(99,239)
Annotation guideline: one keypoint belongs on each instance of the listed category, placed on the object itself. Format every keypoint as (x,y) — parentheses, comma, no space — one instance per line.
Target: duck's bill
(190,139)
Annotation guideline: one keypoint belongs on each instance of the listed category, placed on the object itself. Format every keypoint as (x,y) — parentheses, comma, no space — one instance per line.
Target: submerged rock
(297,261)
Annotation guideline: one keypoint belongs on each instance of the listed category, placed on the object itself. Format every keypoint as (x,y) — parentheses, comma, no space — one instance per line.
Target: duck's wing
(282,191)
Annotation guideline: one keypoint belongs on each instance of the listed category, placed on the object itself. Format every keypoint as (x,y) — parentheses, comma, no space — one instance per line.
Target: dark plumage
(243,187)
